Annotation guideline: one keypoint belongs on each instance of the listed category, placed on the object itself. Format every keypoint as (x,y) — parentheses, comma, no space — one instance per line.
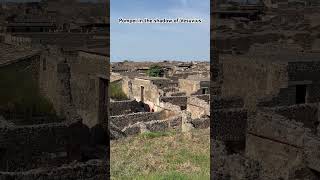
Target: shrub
(155,71)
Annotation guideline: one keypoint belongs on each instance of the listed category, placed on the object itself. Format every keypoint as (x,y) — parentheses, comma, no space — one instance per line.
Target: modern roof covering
(10,54)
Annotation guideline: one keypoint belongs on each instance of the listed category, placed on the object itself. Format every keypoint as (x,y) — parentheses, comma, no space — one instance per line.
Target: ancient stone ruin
(54,85)
(265,74)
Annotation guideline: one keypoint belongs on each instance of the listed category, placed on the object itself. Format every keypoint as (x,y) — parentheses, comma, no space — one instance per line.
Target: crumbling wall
(229,124)
(304,113)
(151,92)
(227,103)
(189,86)
(21,146)
(93,169)
(175,100)
(285,97)
(169,109)
(173,123)
(235,166)
(85,71)
(273,138)
(121,121)
(123,107)
(201,123)
(198,107)
(49,82)
(252,79)
(205,97)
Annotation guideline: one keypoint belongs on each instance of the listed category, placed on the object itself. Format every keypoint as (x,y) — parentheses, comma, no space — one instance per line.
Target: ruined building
(54,103)
(264,107)
(159,103)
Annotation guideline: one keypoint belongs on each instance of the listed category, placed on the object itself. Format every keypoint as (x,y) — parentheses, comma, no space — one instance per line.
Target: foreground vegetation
(162,156)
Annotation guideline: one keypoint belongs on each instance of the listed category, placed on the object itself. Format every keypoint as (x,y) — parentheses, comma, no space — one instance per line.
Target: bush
(155,71)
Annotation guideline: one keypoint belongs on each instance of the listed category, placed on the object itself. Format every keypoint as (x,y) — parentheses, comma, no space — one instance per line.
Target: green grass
(150,135)
(116,92)
(162,155)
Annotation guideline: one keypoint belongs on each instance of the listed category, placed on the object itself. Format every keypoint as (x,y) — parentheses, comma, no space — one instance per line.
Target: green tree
(155,71)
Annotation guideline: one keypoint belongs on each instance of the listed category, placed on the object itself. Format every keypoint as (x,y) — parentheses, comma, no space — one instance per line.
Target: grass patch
(151,135)
(20,94)
(116,92)
(162,155)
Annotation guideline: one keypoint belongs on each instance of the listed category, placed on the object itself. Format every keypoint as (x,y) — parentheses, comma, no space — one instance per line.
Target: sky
(145,42)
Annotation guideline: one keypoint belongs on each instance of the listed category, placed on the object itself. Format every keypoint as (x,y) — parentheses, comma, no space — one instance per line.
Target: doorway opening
(301,92)
(102,107)
(142,94)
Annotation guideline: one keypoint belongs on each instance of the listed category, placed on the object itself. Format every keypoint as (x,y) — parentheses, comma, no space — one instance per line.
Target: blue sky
(160,41)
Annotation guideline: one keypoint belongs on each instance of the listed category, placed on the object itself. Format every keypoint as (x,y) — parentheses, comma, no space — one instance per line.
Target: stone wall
(49,82)
(300,71)
(198,107)
(74,76)
(226,103)
(21,146)
(86,69)
(304,113)
(313,93)
(188,86)
(252,79)
(90,170)
(242,42)
(175,100)
(122,121)
(151,92)
(229,124)
(123,107)
(169,109)
(205,97)
(201,123)
(285,97)
(235,166)
(274,138)
(173,123)
(15,40)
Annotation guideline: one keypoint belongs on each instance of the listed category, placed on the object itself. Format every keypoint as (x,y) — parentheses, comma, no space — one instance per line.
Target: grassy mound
(154,156)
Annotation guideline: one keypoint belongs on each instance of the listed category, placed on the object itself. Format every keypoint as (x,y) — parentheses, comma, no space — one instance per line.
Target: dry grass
(162,156)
